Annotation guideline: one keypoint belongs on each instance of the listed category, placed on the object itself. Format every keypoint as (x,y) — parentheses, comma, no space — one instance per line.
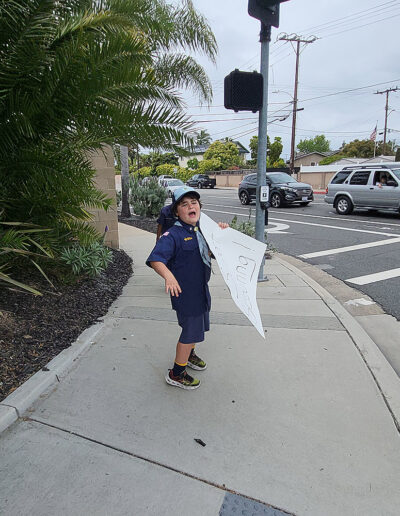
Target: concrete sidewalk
(305,422)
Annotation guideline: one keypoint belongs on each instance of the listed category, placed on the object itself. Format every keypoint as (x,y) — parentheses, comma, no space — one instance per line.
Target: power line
(347,91)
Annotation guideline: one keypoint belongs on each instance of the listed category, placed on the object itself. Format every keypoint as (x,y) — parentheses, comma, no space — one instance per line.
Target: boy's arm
(171,285)
(159,227)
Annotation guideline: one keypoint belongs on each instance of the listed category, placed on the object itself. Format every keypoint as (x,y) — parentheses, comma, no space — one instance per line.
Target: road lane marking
(341,219)
(299,214)
(350,248)
(361,301)
(338,228)
(372,278)
(280,228)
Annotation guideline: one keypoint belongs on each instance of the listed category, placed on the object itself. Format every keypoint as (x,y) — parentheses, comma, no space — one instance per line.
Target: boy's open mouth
(192,212)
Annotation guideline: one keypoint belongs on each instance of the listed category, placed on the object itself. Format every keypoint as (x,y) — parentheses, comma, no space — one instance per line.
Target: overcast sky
(358,47)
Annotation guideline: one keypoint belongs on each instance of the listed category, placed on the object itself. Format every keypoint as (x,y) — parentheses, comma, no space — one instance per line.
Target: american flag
(373,134)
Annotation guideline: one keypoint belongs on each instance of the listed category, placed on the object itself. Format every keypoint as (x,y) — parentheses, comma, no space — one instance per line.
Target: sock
(178,369)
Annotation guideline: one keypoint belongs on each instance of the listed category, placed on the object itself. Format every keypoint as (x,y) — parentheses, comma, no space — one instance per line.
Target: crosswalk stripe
(350,248)
(371,278)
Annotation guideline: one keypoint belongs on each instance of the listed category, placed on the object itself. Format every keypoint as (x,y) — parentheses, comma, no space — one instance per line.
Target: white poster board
(239,258)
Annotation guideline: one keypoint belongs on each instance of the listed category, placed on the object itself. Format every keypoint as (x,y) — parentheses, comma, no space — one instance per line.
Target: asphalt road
(362,249)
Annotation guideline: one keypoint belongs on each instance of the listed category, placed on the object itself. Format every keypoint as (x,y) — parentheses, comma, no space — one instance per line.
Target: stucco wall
(105,181)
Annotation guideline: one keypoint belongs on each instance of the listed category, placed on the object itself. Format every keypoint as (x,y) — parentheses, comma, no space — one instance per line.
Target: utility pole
(386,112)
(298,40)
(265,38)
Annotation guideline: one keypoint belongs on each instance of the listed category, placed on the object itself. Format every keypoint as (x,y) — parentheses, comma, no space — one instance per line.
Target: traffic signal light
(243,91)
(265,10)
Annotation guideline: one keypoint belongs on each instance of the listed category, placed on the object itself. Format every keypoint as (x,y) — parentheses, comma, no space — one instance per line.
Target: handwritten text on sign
(239,258)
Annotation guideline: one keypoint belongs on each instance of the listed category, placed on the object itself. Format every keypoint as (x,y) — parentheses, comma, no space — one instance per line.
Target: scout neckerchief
(203,247)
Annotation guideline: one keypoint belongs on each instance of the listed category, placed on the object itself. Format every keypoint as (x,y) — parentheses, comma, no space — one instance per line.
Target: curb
(12,407)
(385,377)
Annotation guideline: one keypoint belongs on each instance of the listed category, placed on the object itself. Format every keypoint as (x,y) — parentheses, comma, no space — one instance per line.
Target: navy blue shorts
(193,327)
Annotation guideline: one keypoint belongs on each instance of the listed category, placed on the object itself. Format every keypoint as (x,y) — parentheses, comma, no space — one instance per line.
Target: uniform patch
(188,238)
(165,234)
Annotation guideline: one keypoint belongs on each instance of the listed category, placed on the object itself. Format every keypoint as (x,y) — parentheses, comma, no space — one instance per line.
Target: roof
(201,149)
(304,154)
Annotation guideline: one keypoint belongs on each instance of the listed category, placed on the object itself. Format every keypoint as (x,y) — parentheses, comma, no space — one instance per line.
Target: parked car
(371,187)
(171,185)
(283,189)
(201,181)
(163,177)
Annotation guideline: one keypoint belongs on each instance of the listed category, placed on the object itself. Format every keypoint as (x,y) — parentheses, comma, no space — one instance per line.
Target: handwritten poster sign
(239,258)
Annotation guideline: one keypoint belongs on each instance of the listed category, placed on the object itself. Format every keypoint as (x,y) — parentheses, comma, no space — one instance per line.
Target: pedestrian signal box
(243,91)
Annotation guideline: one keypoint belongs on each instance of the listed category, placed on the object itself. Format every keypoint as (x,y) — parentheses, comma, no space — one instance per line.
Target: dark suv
(283,189)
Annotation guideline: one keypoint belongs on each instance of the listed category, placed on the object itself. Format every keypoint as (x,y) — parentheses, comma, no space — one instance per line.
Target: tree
(359,149)
(397,158)
(193,163)
(75,75)
(274,151)
(177,27)
(226,152)
(203,138)
(331,159)
(254,147)
(317,144)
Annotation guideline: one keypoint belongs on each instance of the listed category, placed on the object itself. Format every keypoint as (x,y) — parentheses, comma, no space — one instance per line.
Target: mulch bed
(34,329)
(140,222)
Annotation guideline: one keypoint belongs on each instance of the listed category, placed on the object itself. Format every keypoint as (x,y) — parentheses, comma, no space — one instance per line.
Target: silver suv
(371,187)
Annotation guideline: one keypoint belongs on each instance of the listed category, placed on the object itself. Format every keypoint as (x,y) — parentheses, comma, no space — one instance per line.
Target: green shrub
(184,174)
(247,226)
(209,165)
(141,172)
(147,200)
(166,169)
(90,260)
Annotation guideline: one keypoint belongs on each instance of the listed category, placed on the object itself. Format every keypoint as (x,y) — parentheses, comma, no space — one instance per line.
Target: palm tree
(75,75)
(203,138)
(177,28)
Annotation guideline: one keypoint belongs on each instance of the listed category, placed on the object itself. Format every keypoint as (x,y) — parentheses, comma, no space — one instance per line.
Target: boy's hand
(223,225)
(172,286)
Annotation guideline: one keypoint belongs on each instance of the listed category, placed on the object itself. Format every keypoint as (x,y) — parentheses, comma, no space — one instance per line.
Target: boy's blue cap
(181,192)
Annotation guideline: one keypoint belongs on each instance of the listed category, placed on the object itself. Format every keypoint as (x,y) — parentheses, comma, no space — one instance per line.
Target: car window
(396,172)
(281,177)
(360,177)
(341,177)
(175,182)
(252,180)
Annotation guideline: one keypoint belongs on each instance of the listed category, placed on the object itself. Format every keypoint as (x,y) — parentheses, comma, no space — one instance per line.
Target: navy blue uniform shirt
(178,249)
(166,218)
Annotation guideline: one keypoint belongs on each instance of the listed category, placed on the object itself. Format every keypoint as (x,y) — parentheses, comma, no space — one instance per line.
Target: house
(199,150)
(309,159)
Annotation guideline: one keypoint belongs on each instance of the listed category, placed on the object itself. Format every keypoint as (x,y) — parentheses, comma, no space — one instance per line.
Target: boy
(181,256)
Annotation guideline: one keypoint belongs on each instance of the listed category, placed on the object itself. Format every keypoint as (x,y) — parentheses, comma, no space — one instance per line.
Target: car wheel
(200,185)
(212,186)
(343,205)
(304,203)
(244,198)
(276,200)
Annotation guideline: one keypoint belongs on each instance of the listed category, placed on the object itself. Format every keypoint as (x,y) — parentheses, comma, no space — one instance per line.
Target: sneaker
(184,380)
(196,362)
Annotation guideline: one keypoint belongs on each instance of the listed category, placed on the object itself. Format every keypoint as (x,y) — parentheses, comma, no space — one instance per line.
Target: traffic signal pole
(265,38)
